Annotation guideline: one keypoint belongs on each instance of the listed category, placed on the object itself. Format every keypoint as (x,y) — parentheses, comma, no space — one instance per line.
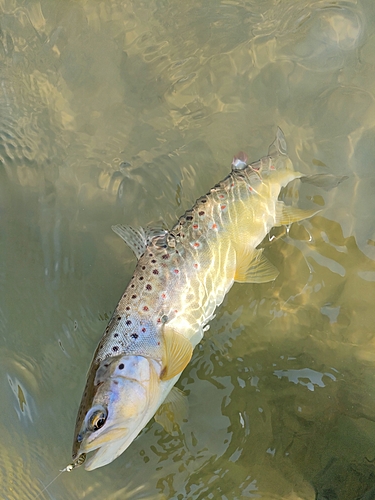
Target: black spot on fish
(141,278)
(143,330)
(201,213)
(153,261)
(134,335)
(166,256)
(128,322)
(119,318)
(115,335)
(155,271)
(134,296)
(132,286)
(114,349)
(148,286)
(189,217)
(143,267)
(121,366)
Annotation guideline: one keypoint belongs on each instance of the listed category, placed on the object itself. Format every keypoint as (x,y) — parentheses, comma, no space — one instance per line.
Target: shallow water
(126,112)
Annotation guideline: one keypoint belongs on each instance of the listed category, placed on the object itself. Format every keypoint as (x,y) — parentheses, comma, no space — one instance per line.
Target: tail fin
(278,147)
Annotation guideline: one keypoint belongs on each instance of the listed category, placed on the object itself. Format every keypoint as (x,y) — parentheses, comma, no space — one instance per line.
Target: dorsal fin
(138,239)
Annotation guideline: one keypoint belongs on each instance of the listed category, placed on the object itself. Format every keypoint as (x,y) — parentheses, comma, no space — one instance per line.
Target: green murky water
(126,112)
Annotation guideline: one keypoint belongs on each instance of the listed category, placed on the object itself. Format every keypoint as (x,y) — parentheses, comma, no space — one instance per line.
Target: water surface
(126,112)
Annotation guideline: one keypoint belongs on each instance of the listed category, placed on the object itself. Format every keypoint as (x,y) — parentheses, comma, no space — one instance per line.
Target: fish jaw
(127,394)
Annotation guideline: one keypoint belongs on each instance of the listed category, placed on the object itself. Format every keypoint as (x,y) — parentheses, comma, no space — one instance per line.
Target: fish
(182,275)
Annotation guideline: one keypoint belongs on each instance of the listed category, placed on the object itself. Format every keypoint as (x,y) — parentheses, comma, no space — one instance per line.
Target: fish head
(119,399)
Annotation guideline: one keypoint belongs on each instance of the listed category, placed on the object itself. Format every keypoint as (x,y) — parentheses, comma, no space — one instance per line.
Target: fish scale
(181,276)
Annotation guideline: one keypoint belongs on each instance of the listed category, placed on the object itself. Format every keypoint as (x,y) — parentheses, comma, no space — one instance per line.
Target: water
(126,112)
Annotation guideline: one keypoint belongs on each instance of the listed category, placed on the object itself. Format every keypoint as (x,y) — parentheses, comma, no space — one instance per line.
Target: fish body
(181,276)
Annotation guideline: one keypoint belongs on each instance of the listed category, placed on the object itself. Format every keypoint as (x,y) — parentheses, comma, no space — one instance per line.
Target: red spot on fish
(176,311)
(196,244)
(221,196)
(143,330)
(195,226)
(272,167)
(176,271)
(214,226)
(159,321)
(223,207)
(145,308)
(196,266)
(163,296)
(251,189)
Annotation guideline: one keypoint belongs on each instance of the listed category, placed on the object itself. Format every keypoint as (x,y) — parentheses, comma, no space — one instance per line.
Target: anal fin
(177,353)
(255,268)
(286,214)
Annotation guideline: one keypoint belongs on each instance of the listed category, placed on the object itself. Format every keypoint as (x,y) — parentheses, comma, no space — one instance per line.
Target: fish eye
(96,418)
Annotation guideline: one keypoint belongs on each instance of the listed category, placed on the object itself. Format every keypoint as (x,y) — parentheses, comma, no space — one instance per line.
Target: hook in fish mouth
(76,463)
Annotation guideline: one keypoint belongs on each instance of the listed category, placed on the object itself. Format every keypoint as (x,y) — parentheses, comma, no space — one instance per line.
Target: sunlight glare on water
(126,112)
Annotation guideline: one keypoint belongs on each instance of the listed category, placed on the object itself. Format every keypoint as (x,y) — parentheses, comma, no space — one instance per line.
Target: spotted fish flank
(182,275)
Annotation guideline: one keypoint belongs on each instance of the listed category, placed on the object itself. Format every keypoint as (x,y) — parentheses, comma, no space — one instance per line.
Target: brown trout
(181,276)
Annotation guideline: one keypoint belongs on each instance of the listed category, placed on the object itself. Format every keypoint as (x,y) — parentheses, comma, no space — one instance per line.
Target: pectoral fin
(255,268)
(177,353)
(286,214)
(173,411)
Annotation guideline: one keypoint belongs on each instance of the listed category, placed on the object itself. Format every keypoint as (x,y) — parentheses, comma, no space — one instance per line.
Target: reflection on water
(127,112)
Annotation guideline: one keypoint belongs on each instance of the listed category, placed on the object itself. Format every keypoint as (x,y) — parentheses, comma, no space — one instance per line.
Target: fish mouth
(105,448)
